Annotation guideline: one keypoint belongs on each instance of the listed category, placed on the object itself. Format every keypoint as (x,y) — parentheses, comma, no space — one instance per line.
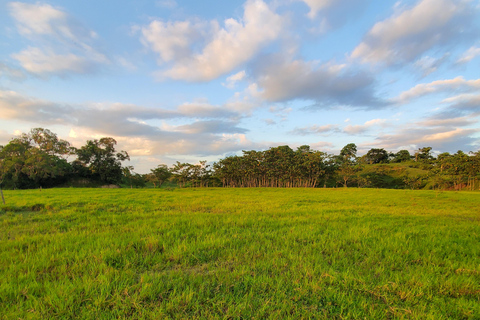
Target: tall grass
(239,253)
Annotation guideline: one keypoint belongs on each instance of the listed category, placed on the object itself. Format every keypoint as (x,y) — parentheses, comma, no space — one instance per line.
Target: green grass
(239,253)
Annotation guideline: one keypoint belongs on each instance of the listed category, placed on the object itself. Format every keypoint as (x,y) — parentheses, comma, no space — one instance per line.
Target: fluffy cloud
(233,79)
(357,129)
(35,19)
(318,5)
(464,104)
(37,61)
(17,107)
(328,85)
(470,54)
(454,127)
(315,130)
(63,46)
(439,138)
(173,40)
(211,126)
(439,121)
(331,128)
(224,49)
(333,13)
(449,85)
(407,35)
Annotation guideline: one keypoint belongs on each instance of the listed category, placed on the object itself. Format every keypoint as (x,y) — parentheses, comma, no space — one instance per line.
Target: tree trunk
(3,199)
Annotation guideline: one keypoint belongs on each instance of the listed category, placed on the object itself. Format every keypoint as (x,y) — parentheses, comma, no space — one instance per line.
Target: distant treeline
(39,159)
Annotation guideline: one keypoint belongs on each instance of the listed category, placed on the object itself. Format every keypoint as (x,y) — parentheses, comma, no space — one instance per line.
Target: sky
(174,80)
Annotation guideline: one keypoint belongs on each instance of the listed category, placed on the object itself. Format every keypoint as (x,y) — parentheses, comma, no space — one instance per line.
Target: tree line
(40,159)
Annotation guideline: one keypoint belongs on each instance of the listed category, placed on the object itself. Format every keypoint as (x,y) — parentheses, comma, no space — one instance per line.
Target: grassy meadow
(239,254)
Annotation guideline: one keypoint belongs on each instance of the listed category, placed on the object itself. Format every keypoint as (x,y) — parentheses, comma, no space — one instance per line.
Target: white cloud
(62,45)
(439,138)
(233,79)
(428,65)
(205,110)
(449,85)
(37,61)
(333,13)
(439,122)
(315,129)
(226,48)
(469,55)
(407,35)
(39,19)
(358,129)
(321,145)
(464,104)
(173,40)
(317,5)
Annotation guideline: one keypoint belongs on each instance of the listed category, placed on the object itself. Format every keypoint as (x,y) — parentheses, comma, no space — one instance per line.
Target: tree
(182,173)
(346,167)
(159,175)
(34,159)
(402,156)
(423,154)
(101,160)
(349,152)
(374,156)
(132,178)
(346,171)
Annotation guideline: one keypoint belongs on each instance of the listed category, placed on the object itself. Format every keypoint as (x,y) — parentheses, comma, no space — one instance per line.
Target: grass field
(239,254)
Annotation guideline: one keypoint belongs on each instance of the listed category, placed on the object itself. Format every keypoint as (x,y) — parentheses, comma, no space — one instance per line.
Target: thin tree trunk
(3,199)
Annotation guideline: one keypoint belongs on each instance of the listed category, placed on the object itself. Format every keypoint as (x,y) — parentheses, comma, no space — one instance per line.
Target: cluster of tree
(275,167)
(40,159)
(184,174)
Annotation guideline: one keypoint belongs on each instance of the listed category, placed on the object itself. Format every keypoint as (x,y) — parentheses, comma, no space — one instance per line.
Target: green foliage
(276,167)
(349,152)
(34,160)
(159,175)
(101,160)
(132,179)
(375,156)
(401,156)
(260,253)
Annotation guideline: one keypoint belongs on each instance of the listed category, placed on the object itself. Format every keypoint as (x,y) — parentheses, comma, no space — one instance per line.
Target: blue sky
(193,80)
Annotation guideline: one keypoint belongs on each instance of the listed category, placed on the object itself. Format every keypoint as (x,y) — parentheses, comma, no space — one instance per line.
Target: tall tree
(159,175)
(423,154)
(349,152)
(375,156)
(402,156)
(34,159)
(101,160)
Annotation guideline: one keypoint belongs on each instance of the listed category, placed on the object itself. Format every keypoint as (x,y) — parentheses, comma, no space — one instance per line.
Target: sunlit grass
(232,253)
